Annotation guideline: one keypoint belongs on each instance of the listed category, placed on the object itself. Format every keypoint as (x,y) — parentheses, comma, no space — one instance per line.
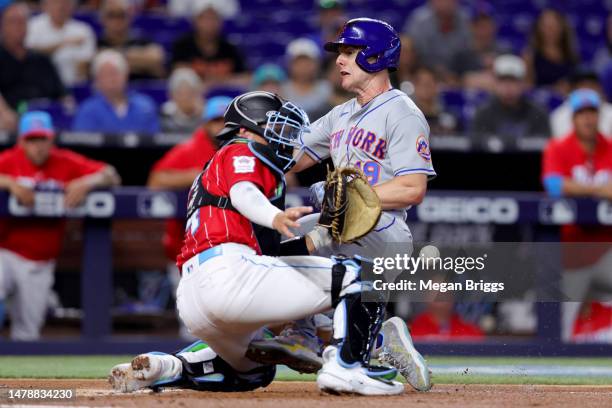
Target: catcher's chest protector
(268,239)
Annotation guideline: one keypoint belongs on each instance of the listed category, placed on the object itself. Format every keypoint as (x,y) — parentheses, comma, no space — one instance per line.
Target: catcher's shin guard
(204,370)
(356,323)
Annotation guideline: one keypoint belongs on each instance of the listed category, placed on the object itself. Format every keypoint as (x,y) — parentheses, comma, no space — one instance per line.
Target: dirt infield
(96,393)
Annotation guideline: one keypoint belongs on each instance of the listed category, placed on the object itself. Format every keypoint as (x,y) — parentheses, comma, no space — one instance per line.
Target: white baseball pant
(28,283)
(229,298)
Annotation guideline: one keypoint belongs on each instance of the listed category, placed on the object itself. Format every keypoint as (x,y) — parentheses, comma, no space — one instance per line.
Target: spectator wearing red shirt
(177,169)
(440,322)
(30,246)
(580,165)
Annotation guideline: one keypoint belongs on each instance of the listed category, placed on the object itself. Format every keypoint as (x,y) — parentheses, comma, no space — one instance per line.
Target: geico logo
(604,212)
(51,204)
(478,210)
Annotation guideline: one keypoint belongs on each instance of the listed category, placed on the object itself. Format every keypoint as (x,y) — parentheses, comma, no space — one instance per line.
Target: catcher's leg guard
(204,370)
(346,365)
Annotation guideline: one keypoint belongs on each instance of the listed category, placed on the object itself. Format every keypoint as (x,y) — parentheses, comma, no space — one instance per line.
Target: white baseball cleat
(145,370)
(398,351)
(292,348)
(337,378)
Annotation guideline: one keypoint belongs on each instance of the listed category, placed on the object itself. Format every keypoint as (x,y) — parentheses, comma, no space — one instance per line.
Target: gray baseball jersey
(387,137)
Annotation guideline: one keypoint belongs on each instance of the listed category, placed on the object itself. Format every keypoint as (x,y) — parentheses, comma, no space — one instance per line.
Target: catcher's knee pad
(342,266)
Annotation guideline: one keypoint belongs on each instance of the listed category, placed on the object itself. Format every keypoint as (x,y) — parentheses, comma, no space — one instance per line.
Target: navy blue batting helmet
(376,38)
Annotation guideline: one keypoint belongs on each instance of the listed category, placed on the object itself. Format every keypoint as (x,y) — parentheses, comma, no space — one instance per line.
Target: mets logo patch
(244,164)
(422,148)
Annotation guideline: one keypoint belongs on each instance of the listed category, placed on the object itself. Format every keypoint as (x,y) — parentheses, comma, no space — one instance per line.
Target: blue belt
(209,254)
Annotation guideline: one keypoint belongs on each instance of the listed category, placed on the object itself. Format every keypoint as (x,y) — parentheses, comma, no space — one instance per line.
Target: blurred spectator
(25,74)
(205,49)
(29,247)
(187,8)
(476,64)
(551,55)
(561,117)
(441,322)
(304,87)
(440,31)
(580,164)
(427,98)
(114,109)
(183,112)
(71,44)
(593,324)
(330,19)
(177,169)
(144,57)
(269,78)
(509,113)
(603,55)
(408,64)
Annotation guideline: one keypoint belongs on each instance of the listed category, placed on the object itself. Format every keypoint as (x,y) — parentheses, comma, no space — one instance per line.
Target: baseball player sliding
(384,134)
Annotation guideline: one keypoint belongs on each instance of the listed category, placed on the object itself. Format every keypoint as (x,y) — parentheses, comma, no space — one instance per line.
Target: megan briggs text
(430,285)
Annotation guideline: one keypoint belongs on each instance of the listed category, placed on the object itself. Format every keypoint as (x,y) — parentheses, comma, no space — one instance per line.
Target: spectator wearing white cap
(304,87)
(185,8)
(509,113)
(205,49)
(71,44)
(183,112)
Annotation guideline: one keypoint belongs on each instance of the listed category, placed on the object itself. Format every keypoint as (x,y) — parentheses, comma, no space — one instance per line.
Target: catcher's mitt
(350,207)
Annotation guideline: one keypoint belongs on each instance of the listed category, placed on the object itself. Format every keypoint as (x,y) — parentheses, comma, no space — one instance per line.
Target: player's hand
(604,192)
(287,219)
(24,195)
(75,192)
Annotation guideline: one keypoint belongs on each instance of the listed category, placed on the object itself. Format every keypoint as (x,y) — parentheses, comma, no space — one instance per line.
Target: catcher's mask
(284,132)
(280,122)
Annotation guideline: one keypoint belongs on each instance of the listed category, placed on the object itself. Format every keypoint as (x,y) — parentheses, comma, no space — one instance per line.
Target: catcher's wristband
(320,237)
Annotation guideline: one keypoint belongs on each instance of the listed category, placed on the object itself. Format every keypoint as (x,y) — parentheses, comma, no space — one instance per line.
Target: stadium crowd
(104,66)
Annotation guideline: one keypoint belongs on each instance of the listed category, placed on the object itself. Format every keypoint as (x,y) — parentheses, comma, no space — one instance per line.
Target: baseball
(429,251)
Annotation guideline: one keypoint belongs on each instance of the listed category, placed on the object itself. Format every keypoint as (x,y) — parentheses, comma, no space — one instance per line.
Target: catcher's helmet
(377,38)
(278,121)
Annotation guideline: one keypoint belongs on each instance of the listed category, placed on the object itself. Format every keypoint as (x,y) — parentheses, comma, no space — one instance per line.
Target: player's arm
(304,162)
(315,144)
(402,191)
(248,199)
(78,188)
(558,184)
(24,195)
(172,179)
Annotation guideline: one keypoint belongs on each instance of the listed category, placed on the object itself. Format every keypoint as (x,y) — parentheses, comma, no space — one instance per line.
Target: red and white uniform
(227,298)
(40,239)
(30,246)
(192,154)
(584,265)
(210,226)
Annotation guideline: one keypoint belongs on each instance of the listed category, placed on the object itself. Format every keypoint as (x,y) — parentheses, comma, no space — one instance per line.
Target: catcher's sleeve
(253,204)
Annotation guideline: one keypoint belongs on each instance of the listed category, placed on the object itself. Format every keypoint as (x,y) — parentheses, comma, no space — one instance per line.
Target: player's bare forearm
(6,182)
(572,188)
(107,177)
(402,191)
(172,179)
(304,162)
